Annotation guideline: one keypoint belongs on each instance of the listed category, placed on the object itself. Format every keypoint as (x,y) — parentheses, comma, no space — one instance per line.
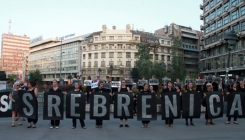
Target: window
(83,64)
(119,37)
(207,19)
(243,26)
(103,55)
(119,63)
(135,55)
(111,54)
(111,37)
(103,47)
(95,63)
(207,30)
(219,23)
(226,6)
(168,50)
(212,15)
(213,27)
(89,64)
(156,57)
(128,63)
(168,42)
(233,2)
(234,15)
(226,20)
(110,46)
(89,48)
(89,56)
(96,38)
(136,38)
(219,11)
(103,37)
(162,57)
(212,3)
(206,8)
(119,46)
(128,54)
(119,55)
(162,41)
(128,47)
(96,47)
(84,56)
(243,11)
(235,28)
(102,63)
(111,63)
(95,55)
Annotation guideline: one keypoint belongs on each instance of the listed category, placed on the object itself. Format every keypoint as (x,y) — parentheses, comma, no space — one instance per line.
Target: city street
(111,130)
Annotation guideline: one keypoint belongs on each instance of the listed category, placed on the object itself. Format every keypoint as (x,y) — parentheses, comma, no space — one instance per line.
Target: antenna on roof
(10,26)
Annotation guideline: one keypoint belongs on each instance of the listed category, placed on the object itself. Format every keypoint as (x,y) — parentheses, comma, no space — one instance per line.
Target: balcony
(201,27)
(224,1)
(201,6)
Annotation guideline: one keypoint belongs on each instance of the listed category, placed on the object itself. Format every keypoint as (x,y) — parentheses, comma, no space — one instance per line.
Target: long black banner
(75,105)
(235,105)
(53,108)
(28,104)
(191,104)
(4,104)
(214,104)
(123,105)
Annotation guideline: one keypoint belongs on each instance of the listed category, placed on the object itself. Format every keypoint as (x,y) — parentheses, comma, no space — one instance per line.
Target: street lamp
(111,68)
(231,39)
(99,71)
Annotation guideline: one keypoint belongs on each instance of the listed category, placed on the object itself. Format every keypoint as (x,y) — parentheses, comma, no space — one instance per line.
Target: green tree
(135,74)
(146,67)
(35,76)
(177,66)
(11,79)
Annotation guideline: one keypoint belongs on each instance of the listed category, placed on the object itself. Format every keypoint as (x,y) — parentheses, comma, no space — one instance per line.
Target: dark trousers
(186,120)
(135,105)
(74,122)
(99,122)
(112,99)
(55,122)
(229,119)
(124,119)
(34,121)
(206,114)
(169,121)
(145,122)
(88,98)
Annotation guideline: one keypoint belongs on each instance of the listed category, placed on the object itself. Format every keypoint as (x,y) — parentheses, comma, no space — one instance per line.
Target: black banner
(53,108)
(100,106)
(170,105)
(123,105)
(75,105)
(236,105)
(191,104)
(146,107)
(28,104)
(214,102)
(4,104)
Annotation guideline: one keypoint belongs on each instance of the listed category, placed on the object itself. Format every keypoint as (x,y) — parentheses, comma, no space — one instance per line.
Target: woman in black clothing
(190,87)
(233,89)
(88,91)
(123,88)
(99,89)
(178,89)
(32,87)
(169,122)
(55,88)
(74,121)
(145,90)
(209,89)
(13,96)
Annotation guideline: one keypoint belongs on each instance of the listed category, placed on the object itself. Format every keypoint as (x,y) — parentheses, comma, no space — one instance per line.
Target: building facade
(118,47)
(13,53)
(190,44)
(56,59)
(219,18)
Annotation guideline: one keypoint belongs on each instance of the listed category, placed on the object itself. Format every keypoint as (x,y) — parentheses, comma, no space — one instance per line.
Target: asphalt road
(111,130)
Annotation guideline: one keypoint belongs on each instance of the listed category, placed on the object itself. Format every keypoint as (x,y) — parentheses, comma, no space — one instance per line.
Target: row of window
(110,46)
(103,63)
(225,20)
(224,7)
(193,47)
(111,55)
(114,37)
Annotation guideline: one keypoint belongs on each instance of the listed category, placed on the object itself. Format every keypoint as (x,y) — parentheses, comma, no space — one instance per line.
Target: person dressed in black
(113,90)
(242,87)
(88,91)
(145,90)
(233,89)
(215,86)
(209,89)
(100,88)
(123,88)
(22,87)
(55,88)
(32,87)
(109,90)
(74,121)
(168,121)
(13,96)
(190,87)
(178,89)
(140,88)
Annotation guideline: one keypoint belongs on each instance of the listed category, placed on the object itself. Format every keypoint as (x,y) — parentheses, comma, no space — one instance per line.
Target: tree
(35,76)
(177,65)
(145,66)
(135,74)
(11,79)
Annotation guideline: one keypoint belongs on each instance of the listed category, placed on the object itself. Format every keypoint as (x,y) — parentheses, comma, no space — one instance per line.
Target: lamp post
(111,69)
(231,39)
(99,71)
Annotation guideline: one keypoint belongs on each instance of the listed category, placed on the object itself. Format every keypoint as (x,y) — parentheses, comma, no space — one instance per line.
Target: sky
(56,18)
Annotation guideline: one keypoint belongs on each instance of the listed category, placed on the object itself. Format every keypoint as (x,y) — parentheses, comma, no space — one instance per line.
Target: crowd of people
(209,85)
